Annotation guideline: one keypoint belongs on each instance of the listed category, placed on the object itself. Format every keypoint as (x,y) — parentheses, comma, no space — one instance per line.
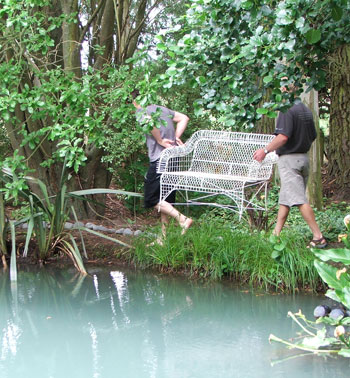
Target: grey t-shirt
(167,131)
(298,125)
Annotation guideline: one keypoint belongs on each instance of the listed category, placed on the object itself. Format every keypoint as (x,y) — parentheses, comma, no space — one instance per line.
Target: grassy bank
(215,250)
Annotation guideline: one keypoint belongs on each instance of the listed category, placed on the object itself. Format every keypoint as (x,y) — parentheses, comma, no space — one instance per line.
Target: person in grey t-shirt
(295,132)
(166,136)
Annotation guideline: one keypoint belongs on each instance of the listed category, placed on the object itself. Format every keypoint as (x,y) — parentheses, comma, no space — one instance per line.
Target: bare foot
(186,225)
(158,241)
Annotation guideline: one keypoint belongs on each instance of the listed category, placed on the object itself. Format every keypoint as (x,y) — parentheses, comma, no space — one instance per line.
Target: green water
(117,323)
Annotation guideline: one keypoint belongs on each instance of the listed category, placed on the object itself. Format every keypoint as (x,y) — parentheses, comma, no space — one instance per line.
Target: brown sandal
(318,243)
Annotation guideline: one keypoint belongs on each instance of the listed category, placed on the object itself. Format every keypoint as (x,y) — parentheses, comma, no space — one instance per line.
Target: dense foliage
(66,75)
(237,52)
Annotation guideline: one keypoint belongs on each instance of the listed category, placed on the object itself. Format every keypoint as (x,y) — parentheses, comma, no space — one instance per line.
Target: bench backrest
(230,154)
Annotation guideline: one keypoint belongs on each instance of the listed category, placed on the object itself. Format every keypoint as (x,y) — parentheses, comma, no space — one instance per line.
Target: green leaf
(198,111)
(28,236)
(267,79)
(272,114)
(262,111)
(172,71)
(314,342)
(337,255)
(313,36)
(290,45)
(104,191)
(105,237)
(161,46)
(346,296)
(75,254)
(273,239)
(247,4)
(337,13)
(344,353)
(13,262)
(283,18)
(299,22)
(333,295)
(328,275)
(6,116)
(281,246)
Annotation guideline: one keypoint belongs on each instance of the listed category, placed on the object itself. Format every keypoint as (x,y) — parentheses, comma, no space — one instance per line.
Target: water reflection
(112,323)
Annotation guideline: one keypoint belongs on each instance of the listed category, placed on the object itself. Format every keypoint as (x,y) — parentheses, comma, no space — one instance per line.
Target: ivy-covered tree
(240,52)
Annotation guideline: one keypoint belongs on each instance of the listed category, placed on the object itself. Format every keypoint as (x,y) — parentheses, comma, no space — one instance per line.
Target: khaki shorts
(294,171)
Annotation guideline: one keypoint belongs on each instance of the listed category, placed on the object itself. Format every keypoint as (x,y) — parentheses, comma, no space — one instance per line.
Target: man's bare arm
(163,142)
(181,121)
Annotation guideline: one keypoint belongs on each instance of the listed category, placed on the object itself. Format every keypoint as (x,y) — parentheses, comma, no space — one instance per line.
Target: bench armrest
(270,158)
(262,170)
(173,155)
(178,153)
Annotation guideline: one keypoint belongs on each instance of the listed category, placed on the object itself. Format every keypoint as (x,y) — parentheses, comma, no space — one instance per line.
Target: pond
(122,323)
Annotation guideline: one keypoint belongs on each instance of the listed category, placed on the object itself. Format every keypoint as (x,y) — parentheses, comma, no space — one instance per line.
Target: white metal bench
(218,163)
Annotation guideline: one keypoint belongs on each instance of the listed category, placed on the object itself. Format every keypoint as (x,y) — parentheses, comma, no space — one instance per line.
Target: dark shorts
(152,187)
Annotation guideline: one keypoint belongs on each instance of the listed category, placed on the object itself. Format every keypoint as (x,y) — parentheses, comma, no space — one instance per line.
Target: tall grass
(217,251)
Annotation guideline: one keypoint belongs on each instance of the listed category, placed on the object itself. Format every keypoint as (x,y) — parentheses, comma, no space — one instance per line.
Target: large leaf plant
(328,335)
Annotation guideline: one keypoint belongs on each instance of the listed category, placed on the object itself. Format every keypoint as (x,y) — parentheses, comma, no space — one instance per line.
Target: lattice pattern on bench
(218,163)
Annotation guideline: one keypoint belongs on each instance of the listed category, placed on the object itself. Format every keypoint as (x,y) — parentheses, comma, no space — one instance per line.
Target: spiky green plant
(47,217)
(4,225)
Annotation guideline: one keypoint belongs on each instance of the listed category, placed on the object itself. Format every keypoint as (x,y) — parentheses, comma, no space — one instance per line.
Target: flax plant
(3,231)
(47,218)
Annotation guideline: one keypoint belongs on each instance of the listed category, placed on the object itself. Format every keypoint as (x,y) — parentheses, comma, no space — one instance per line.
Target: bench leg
(240,204)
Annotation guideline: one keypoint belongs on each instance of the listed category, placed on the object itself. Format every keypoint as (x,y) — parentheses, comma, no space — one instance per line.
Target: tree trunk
(70,39)
(314,188)
(265,125)
(339,122)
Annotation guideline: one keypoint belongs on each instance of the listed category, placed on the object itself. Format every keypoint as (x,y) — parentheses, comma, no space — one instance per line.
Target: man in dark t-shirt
(298,125)
(295,131)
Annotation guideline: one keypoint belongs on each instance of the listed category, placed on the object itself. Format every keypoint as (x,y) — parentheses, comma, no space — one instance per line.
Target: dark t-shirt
(298,125)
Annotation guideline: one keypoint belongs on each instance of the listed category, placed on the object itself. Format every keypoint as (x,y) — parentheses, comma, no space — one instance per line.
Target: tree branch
(86,27)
